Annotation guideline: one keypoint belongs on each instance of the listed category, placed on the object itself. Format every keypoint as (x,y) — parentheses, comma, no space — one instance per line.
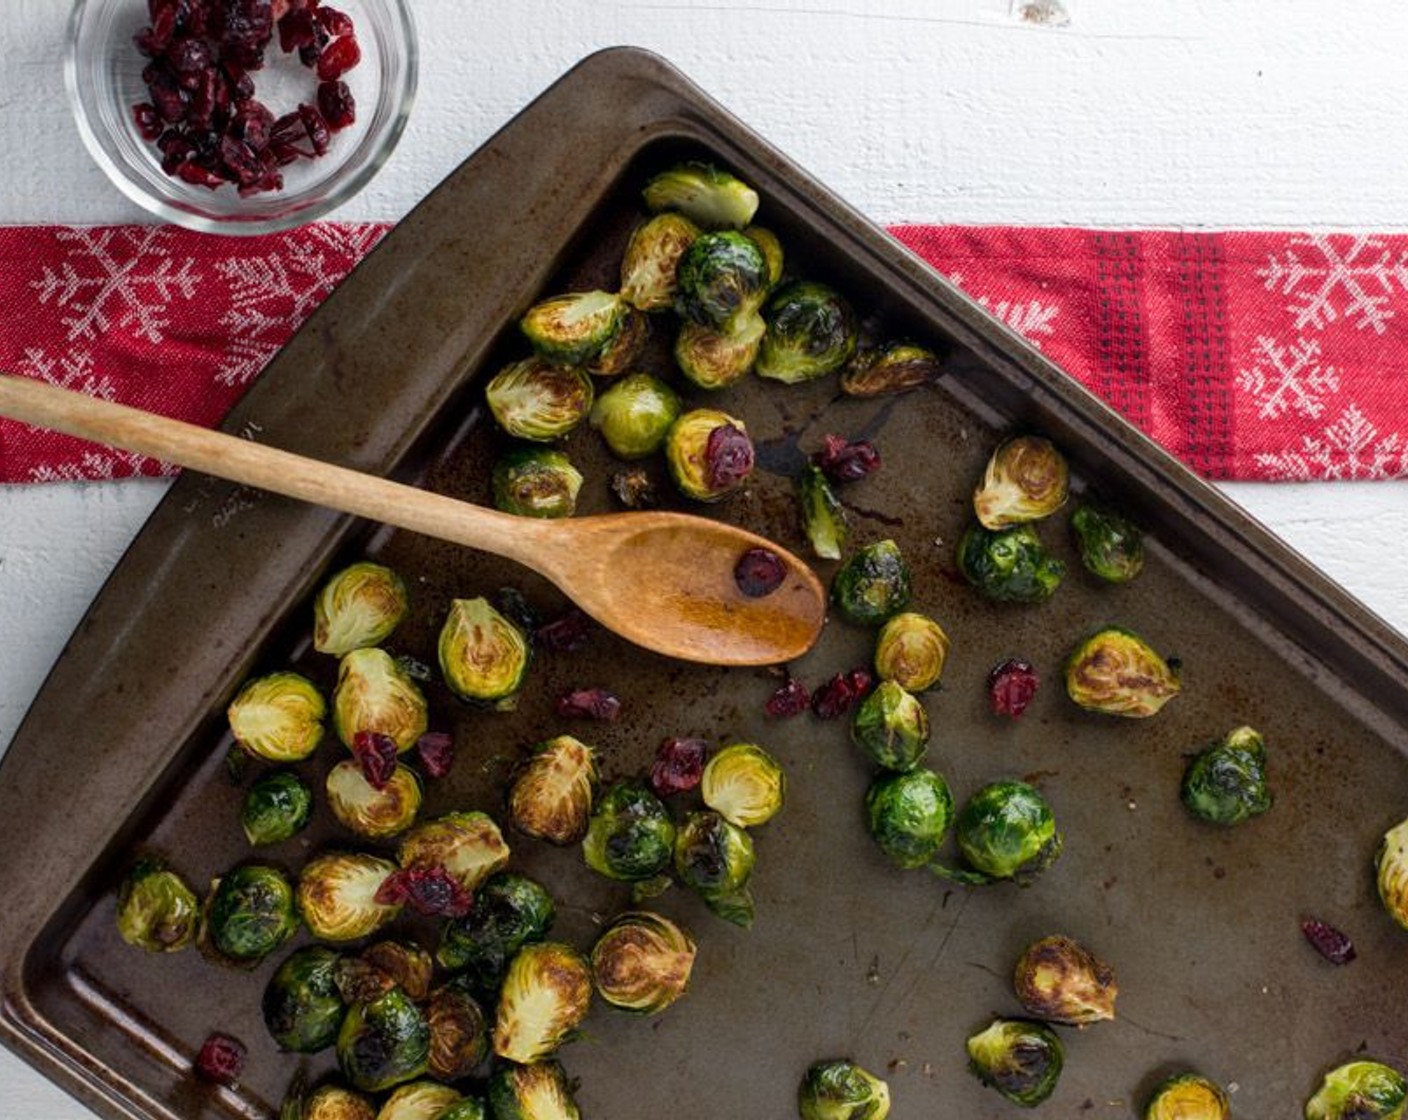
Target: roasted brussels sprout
(276,807)
(743,784)
(1359,1090)
(466,1108)
(551,796)
(459,1033)
(768,242)
(1006,830)
(709,454)
(546,994)
(1188,1096)
(651,259)
(634,415)
(872,585)
(383,1042)
(823,516)
(1116,672)
(1226,783)
(1061,981)
(536,1092)
(839,1089)
(536,482)
(374,693)
(705,194)
(811,331)
(467,844)
(419,1100)
(571,329)
(382,966)
(332,1102)
(359,606)
(1111,546)
(721,281)
(911,650)
(509,911)
(535,400)
(250,912)
(642,962)
(374,813)
(1391,872)
(896,367)
(302,1006)
(1009,565)
(712,359)
(715,858)
(1021,1060)
(156,911)
(909,815)
(631,834)
(483,656)
(278,717)
(1026,479)
(337,895)
(892,727)
(623,351)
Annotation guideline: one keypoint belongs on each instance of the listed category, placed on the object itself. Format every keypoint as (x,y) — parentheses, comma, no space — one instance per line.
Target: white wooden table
(1195,113)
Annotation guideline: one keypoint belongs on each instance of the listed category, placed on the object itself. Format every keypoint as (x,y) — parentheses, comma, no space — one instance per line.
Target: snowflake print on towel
(1288,378)
(1349,448)
(1354,281)
(1028,317)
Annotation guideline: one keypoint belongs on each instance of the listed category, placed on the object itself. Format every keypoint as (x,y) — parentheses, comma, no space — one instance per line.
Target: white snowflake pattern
(123,278)
(73,370)
(1349,448)
(1028,317)
(97,464)
(1356,282)
(1288,378)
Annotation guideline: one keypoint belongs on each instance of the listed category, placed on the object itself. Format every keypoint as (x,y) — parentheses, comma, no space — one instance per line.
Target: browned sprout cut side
(551,796)
(337,895)
(468,845)
(651,258)
(368,811)
(278,717)
(1188,1096)
(1116,672)
(642,962)
(1391,867)
(1026,479)
(376,695)
(896,367)
(1061,981)
(546,995)
(359,606)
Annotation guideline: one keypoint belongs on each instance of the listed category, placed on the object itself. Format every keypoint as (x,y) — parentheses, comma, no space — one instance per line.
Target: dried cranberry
(240,160)
(167,96)
(846,462)
(334,21)
(790,699)
(151,41)
(253,124)
(841,693)
(376,755)
(678,766)
(338,57)
(148,124)
(296,30)
(221,1059)
(1011,686)
(431,891)
(200,176)
(336,104)
(759,572)
(1329,942)
(566,634)
(589,703)
(436,750)
(728,457)
(316,127)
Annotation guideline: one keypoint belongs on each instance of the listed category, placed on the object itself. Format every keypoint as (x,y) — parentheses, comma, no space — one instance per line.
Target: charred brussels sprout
(382,966)
(483,656)
(375,694)
(536,1092)
(278,717)
(468,845)
(1361,1090)
(634,415)
(631,834)
(536,482)
(1188,1096)
(535,400)
(743,784)
(892,727)
(642,962)
(651,259)
(713,359)
(574,328)
(1009,565)
(1061,981)
(1391,872)
(872,585)
(721,281)
(896,367)
(708,195)
(771,248)
(1021,1060)
(823,516)
(622,352)
(546,994)
(909,815)
(302,1006)
(1111,546)
(709,454)
(337,895)
(1226,783)
(811,332)
(1116,672)
(459,1033)
(383,1042)
(331,1102)
(551,796)
(276,807)
(251,912)
(715,859)
(374,813)
(156,911)
(839,1089)
(1026,479)
(359,606)
(911,650)
(419,1100)
(1006,830)
(509,911)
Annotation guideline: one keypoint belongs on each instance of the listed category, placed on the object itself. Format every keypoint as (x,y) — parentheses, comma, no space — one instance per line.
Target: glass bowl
(103,71)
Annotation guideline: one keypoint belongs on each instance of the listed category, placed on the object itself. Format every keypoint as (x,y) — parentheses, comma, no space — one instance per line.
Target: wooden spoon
(663,580)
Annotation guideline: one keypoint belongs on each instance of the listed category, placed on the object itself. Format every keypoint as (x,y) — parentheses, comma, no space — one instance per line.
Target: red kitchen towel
(1248,355)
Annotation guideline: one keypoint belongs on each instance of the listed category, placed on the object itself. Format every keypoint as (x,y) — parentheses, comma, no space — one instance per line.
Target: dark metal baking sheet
(124,748)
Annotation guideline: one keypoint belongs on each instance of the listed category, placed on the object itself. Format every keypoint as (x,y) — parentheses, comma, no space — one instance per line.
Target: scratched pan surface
(124,750)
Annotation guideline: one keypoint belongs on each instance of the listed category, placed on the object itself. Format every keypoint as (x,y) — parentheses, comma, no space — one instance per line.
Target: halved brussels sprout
(357,607)
(535,400)
(536,482)
(509,911)
(1026,479)
(374,813)
(634,415)
(551,796)
(743,784)
(811,331)
(721,281)
(642,962)
(631,834)
(1225,783)
(872,585)
(382,966)
(468,845)
(622,352)
(483,656)
(823,515)
(1188,1096)
(459,1033)
(652,258)
(250,912)
(709,454)
(332,1102)
(1020,1059)
(546,994)
(771,247)
(536,1092)
(573,328)
(1116,672)
(715,859)
(278,717)
(419,1100)
(1111,546)
(892,727)
(383,1042)
(1391,872)
(838,1089)
(1359,1090)
(713,359)
(466,1108)
(375,694)
(276,807)
(911,650)
(1060,980)
(156,911)
(1006,830)
(909,815)
(706,194)
(337,895)
(1009,565)
(302,1007)
(895,367)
